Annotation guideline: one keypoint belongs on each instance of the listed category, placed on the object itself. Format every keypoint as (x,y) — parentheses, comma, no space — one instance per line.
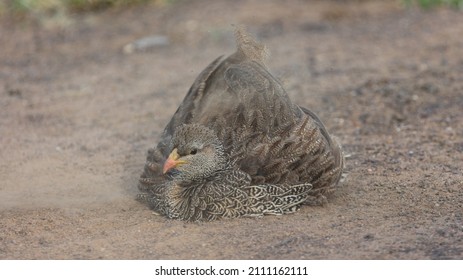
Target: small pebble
(146,44)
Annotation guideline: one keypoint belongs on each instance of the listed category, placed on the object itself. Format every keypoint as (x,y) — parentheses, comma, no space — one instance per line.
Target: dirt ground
(78,115)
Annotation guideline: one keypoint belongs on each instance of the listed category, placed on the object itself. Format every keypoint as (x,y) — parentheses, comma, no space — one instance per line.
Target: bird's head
(197,153)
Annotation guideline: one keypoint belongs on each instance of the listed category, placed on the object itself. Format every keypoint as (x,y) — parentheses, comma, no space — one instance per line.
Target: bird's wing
(232,93)
(335,147)
(301,152)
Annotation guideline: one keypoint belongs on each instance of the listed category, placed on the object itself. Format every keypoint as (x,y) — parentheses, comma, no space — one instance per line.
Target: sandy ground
(78,115)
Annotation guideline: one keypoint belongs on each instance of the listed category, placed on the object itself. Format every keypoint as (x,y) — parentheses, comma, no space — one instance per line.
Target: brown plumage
(238,146)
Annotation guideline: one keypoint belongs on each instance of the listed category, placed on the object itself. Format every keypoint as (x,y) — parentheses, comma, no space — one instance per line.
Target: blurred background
(62,12)
(66,8)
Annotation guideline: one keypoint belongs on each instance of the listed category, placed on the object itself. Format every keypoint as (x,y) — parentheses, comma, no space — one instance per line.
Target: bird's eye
(193,152)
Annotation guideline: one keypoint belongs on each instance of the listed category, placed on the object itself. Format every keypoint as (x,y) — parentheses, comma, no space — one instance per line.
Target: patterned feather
(248,149)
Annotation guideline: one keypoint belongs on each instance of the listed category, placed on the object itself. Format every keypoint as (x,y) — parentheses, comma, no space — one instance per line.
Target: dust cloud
(60,179)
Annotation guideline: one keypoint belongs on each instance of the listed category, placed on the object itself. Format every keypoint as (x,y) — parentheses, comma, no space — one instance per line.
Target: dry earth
(77,116)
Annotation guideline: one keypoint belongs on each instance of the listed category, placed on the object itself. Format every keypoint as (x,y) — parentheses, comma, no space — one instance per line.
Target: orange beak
(172,161)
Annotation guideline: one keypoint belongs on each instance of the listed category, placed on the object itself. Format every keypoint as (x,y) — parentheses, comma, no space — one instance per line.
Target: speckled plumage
(255,152)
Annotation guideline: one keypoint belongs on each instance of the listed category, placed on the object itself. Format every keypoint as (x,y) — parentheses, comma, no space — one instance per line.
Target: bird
(238,146)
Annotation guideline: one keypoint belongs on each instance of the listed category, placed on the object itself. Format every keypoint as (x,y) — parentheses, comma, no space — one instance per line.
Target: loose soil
(78,115)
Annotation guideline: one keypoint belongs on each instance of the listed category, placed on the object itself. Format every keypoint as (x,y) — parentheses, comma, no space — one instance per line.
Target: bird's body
(256,152)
